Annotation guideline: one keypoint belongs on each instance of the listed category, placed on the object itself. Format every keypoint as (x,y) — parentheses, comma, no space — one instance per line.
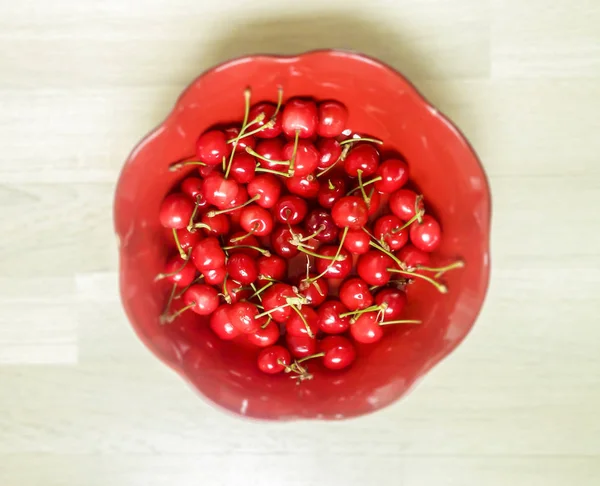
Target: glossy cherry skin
(256,220)
(413,257)
(300,116)
(301,346)
(187,240)
(315,292)
(238,201)
(290,209)
(355,294)
(235,291)
(329,152)
(194,187)
(221,324)
(248,141)
(295,325)
(219,224)
(366,329)
(274,359)
(212,146)
(268,109)
(180,274)
(357,242)
(276,296)
(304,186)
(333,117)
(338,269)
(339,352)
(426,235)
(214,276)
(243,317)
(207,254)
(271,149)
(386,229)
(403,202)
(248,240)
(175,211)
(268,187)
(205,299)
(206,170)
(307,157)
(372,267)
(281,238)
(395,300)
(332,190)
(320,221)
(219,191)
(351,212)
(273,267)
(330,321)
(243,167)
(363,157)
(374,202)
(242,268)
(264,336)
(393,173)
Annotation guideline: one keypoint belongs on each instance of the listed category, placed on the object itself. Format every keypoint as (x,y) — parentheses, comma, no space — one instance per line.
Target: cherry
(234,208)
(271,150)
(304,322)
(339,352)
(366,328)
(274,298)
(281,241)
(300,116)
(243,168)
(268,110)
(214,276)
(219,224)
(355,294)
(393,173)
(271,267)
(178,271)
(212,146)
(413,257)
(175,211)
(374,203)
(265,335)
(306,186)
(218,191)
(234,292)
(221,324)
(364,157)
(274,359)
(395,301)
(372,267)
(268,187)
(334,269)
(331,191)
(333,117)
(329,152)
(404,203)
(256,220)
(330,321)
(357,242)
(243,240)
(207,254)
(194,187)
(205,170)
(320,223)
(386,229)
(187,240)
(247,141)
(202,299)
(351,212)
(242,268)
(315,291)
(243,317)
(301,346)
(307,157)
(290,209)
(427,234)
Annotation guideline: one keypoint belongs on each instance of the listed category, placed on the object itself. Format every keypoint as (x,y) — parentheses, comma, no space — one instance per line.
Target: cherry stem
(236,140)
(441,287)
(372,308)
(416,217)
(190,225)
(160,276)
(266,323)
(361,139)
(225,291)
(271,171)
(212,214)
(178,296)
(312,356)
(339,159)
(262,251)
(330,184)
(200,225)
(335,258)
(372,181)
(259,291)
(417,211)
(274,309)
(252,152)
(163,316)
(182,254)
(314,235)
(179,165)
(293,159)
(388,253)
(268,279)
(441,270)
(337,254)
(308,330)
(170,318)
(240,238)
(361,186)
(405,321)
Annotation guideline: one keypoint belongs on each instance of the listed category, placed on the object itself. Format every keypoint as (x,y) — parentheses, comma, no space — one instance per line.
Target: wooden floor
(83,403)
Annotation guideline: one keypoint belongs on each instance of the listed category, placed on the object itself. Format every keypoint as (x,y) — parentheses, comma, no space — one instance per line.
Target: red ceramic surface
(443,166)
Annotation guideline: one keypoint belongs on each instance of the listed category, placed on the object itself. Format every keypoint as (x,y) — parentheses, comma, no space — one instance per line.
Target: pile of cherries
(295,236)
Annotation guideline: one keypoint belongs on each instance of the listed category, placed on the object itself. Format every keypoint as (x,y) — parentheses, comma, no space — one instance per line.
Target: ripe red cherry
(386,229)
(264,336)
(366,329)
(187,240)
(273,267)
(206,170)
(426,235)
(243,317)
(178,273)
(290,209)
(395,300)
(357,242)
(212,146)
(329,152)
(372,267)
(214,276)
(247,240)
(413,257)
(355,294)
(333,117)
(350,211)
(219,191)
(363,157)
(300,116)
(301,346)
(295,325)
(204,299)
(268,109)
(268,187)
(219,224)
(393,173)
(304,186)
(330,321)
(281,241)
(175,211)
(235,292)
(247,141)
(256,220)
(243,167)
(275,297)
(404,202)
(331,191)
(374,202)
(208,255)
(235,214)
(337,269)
(274,359)
(320,223)
(194,187)
(242,268)
(339,352)
(271,149)
(315,292)
(307,157)
(221,324)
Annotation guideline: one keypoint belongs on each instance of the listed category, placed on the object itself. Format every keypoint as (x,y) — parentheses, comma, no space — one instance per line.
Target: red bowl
(381,103)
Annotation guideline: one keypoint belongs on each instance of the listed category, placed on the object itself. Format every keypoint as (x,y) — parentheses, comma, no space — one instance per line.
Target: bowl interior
(381,103)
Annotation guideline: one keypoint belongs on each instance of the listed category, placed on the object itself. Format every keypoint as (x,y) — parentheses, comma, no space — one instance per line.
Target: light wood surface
(83,403)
